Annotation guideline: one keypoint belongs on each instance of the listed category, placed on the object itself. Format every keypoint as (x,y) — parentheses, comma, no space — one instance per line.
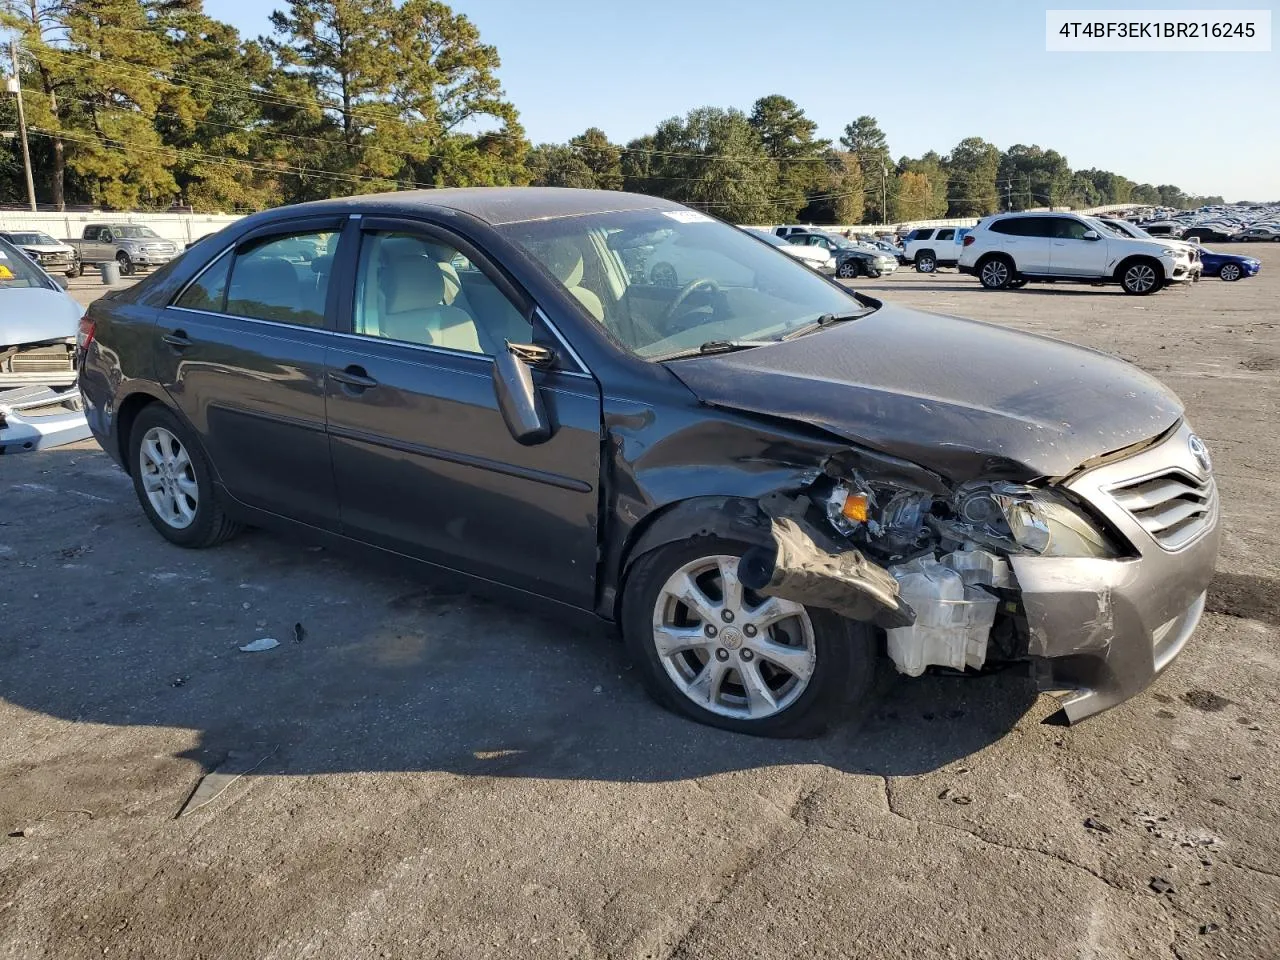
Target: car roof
(494,205)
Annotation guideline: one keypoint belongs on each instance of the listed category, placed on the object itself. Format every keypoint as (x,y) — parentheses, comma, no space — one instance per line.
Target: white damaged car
(39,322)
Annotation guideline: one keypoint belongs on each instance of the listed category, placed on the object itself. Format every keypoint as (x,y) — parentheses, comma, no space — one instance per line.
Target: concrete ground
(430,774)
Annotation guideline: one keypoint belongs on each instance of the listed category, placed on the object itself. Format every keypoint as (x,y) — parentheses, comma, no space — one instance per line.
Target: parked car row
(1220,223)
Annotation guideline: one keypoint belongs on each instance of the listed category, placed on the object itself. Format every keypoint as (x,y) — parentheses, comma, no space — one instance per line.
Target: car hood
(47,247)
(33,315)
(963,398)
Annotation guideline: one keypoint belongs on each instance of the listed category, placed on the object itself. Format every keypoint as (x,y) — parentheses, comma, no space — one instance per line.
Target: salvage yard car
(1229,266)
(765,479)
(129,245)
(54,256)
(39,323)
(1010,250)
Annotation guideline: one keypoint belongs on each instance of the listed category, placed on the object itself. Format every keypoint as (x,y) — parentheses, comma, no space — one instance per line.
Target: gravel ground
(428,773)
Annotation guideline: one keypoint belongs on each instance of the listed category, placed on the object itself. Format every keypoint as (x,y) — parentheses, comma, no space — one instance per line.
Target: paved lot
(431,774)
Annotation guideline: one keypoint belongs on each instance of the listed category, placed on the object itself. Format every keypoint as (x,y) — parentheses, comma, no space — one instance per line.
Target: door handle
(353,377)
(178,339)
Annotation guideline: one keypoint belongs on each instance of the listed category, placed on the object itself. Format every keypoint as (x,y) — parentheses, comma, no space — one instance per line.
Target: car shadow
(387,672)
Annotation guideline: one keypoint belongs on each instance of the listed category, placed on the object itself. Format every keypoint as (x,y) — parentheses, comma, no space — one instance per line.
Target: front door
(423,462)
(242,354)
(1073,255)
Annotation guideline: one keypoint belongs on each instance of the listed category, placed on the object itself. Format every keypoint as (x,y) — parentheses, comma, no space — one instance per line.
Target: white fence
(179,227)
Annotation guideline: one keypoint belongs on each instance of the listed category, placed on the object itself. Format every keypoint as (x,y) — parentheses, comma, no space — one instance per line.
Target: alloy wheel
(1140,277)
(729,650)
(168,478)
(995,274)
(1230,272)
(847,270)
(926,264)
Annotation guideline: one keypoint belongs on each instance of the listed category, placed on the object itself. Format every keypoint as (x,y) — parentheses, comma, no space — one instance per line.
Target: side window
(420,290)
(921,234)
(1038,227)
(1066,229)
(1008,227)
(284,279)
(209,290)
(946,234)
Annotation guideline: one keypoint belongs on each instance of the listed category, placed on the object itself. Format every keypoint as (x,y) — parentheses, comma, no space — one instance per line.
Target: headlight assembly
(1022,519)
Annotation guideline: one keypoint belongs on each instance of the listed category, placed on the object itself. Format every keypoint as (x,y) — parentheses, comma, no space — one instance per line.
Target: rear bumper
(1102,630)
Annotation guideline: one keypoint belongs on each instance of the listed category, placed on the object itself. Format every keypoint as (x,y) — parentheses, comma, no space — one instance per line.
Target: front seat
(565,261)
(416,311)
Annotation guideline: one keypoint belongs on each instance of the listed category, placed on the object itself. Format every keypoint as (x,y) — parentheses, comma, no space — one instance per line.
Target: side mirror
(518,398)
(1091,235)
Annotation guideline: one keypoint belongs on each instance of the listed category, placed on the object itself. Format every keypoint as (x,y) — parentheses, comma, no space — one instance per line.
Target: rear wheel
(1230,272)
(1141,277)
(996,273)
(174,483)
(715,652)
(926,262)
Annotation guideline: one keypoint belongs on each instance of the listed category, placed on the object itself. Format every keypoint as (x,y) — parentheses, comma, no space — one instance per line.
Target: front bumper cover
(34,418)
(1102,630)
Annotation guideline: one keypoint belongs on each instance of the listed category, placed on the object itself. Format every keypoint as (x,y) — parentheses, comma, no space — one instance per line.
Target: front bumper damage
(39,417)
(1095,630)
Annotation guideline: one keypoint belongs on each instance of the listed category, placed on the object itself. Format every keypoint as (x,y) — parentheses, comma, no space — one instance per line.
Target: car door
(242,354)
(423,461)
(945,247)
(1029,240)
(93,244)
(1071,254)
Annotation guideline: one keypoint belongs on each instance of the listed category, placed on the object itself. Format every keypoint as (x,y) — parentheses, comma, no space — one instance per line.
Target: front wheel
(926,263)
(723,655)
(847,270)
(126,265)
(1229,272)
(1141,278)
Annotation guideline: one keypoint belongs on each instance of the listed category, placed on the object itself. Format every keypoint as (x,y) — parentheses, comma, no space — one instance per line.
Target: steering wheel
(698,283)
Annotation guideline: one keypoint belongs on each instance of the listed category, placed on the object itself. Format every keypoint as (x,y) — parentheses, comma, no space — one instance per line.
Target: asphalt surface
(430,774)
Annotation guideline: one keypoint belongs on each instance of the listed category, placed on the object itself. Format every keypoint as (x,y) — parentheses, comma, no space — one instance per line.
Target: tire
(80,269)
(1230,272)
(926,262)
(996,273)
(847,270)
(74,272)
(193,517)
(126,265)
(1141,277)
(841,668)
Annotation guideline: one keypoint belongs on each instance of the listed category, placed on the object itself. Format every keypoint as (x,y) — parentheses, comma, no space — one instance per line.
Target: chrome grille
(1174,507)
(55,359)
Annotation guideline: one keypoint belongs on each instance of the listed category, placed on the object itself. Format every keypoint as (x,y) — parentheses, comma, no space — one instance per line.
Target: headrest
(565,261)
(266,279)
(413,283)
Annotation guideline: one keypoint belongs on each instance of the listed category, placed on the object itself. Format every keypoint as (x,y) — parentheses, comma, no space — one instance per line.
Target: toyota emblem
(1200,452)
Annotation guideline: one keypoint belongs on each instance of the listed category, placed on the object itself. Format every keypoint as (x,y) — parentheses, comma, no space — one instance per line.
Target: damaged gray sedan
(766,480)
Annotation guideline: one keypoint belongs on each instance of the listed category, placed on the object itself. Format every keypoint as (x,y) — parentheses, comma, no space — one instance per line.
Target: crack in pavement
(1017,848)
(736,876)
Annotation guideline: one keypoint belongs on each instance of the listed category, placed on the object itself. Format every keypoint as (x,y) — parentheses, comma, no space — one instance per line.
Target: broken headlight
(1015,518)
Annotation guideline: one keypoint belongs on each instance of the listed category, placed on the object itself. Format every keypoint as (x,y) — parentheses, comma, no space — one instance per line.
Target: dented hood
(961,397)
(36,315)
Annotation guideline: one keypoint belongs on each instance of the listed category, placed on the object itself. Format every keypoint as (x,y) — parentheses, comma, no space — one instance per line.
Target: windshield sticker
(5,273)
(687,216)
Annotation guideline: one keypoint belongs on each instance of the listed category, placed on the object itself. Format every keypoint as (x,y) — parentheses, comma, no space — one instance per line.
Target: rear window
(946,234)
(921,234)
(1011,227)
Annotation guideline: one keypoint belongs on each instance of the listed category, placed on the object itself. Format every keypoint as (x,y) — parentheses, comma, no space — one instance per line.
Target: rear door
(1028,240)
(423,462)
(242,354)
(945,247)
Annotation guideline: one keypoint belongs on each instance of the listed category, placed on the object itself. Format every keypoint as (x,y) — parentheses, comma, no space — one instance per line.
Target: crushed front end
(1096,579)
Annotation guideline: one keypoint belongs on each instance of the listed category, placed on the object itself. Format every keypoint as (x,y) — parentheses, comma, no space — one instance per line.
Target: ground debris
(1091,823)
(261,644)
(1161,885)
(1206,700)
(235,765)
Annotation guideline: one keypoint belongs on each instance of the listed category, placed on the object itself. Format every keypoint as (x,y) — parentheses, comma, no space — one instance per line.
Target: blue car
(1229,266)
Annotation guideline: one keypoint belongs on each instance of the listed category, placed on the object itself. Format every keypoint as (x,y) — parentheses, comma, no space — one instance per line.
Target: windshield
(16,269)
(664,282)
(31,238)
(134,232)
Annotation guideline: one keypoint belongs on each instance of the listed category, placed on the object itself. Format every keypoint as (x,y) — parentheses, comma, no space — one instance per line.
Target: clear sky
(931,71)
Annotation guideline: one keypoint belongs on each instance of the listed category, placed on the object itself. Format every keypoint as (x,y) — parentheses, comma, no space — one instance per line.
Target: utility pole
(884,193)
(15,87)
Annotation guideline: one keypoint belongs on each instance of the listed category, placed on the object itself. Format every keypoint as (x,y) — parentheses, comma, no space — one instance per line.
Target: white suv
(932,247)
(1009,250)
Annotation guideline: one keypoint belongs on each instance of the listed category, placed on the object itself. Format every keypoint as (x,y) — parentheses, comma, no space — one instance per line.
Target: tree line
(151,104)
